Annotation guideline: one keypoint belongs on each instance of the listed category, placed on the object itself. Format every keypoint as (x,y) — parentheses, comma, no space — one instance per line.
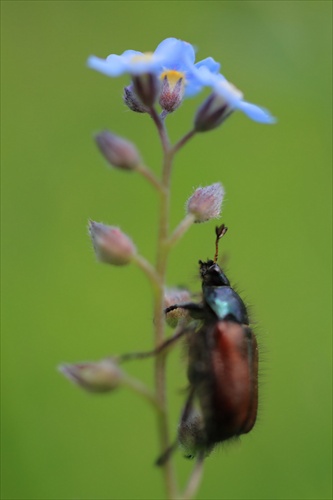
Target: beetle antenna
(219,231)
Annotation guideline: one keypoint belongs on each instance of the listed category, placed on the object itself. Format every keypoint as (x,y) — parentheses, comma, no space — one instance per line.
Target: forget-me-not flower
(137,63)
(231,98)
(172,58)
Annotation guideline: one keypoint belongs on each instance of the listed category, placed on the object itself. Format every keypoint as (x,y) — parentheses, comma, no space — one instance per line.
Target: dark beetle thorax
(225,303)
(218,295)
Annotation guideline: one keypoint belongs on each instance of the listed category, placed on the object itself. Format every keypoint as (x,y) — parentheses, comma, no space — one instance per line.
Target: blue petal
(175,53)
(166,45)
(256,113)
(200,75)
(187,52)
(114,69)
(192,88)
(209,63)
(128,54)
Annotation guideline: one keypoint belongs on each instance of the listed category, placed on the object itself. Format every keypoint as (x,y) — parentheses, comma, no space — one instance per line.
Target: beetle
(223,364)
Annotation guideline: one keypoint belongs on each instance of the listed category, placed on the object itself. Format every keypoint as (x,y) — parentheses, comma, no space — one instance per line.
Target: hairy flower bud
(118,152)
(102,376)
(212,113)
(110,244)
(172,92)
(147,88)
(205,203)
(174,296)
(132,101)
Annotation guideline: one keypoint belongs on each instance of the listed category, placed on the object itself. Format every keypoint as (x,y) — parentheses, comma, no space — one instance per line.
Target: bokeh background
(59,305)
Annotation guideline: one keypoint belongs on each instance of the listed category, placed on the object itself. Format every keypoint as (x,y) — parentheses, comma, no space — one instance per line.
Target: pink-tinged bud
(102,376)
(205,203)
(174,296)
(147,88)
(110,244)
(132,101)
(211,113)
(118,152)
(172,92)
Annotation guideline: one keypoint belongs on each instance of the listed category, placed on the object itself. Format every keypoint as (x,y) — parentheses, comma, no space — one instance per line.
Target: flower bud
(205,203)
(147,88)
(110,244)
(102,376)
(174,296)
(211,113)
(132,101)
(172,91)
(118,152)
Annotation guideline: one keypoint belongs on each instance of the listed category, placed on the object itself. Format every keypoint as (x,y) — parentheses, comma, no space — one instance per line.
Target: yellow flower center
(172,76)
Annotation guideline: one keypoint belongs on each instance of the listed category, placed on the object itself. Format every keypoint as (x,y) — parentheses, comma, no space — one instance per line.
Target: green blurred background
(59,305)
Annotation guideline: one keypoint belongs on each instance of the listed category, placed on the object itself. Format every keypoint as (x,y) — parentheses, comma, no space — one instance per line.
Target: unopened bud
(174,296)
(132,101)
(205,203)
(118,152)
(211,113)
(172,92)
(111,245)
(147,88)
(102,376)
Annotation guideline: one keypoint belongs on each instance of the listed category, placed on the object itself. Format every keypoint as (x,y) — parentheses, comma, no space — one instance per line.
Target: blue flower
(231,96)
(137,63)
(170,55)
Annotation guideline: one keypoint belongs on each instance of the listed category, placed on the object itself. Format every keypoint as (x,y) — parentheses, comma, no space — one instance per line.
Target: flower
(176,296)
(193,84)
(111,245)
(119,152)
(138,63)
(228,98)
(132,101)
(101,376)
(172,90)
(205,203)
(180,81)
(170,55)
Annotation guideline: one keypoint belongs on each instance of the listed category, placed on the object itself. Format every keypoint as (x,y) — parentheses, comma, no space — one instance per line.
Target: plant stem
(149,270)
(139,388)
(148,174)
(183,141)
(164,245)
(194,481)
(180,230)
(159,322)
(161,129)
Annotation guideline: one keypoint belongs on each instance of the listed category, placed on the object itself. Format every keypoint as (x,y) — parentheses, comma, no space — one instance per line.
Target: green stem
(159,321)
(183,141)
(139,388)
(164,245)
(148,174)
(180,230)
(194,481)
(161,129)
(149,270)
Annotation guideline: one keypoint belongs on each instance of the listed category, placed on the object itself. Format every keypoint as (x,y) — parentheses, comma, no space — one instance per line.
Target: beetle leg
(149,354)
(196,309)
